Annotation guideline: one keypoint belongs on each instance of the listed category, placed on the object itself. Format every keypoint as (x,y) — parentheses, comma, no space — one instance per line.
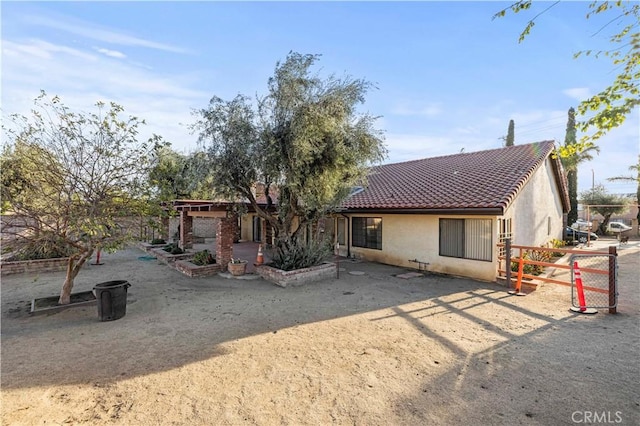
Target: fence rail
(524,252)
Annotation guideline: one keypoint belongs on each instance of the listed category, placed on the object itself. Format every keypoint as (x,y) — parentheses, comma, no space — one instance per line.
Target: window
(342,225)
(367,232)
(466,238)
(505,232)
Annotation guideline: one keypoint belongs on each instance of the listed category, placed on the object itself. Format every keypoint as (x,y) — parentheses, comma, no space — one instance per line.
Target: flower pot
(237,269)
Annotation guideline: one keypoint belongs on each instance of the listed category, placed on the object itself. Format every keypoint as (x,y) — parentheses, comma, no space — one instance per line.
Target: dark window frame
(366,232)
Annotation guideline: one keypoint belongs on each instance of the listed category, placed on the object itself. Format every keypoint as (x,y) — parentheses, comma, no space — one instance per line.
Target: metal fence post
(612,279)
(507,252)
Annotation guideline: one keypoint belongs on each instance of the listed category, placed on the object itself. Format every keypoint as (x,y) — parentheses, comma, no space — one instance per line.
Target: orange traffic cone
(582,309)
(260,258)
(517,291)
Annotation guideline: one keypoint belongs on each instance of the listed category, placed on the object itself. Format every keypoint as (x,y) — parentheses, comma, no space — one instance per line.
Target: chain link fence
(594,273)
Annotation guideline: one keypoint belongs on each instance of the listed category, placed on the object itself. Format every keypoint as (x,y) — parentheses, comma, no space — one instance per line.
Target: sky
(446,77)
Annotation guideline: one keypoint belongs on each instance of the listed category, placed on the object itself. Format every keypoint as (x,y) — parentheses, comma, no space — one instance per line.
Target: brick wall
(40,265)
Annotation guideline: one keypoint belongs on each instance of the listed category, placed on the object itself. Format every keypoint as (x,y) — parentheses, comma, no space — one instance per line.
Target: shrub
(555,243)
(536,256)
(46,247)
(301,255)
(202,258)
(157,241)
(173,248)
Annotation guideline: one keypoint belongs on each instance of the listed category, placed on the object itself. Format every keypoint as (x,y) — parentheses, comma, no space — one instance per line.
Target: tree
(572,161)
(177,176)
(604,203)
(630,178)
(511,136)
(73,178)
(305,141)
(610,107)
(168,175)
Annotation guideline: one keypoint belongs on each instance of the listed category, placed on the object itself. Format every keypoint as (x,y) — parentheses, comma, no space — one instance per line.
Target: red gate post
(613,252)
(98,258)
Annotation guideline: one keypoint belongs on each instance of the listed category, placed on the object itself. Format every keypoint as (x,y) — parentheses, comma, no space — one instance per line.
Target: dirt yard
(370,349)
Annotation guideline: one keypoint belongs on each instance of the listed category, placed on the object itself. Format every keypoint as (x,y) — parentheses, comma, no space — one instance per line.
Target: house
(452,211)
(449,212)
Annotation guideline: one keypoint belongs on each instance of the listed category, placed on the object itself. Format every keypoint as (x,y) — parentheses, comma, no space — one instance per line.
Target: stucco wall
(408,236)
(537,207)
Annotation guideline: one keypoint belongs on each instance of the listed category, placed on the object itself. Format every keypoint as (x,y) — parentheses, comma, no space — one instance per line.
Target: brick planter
(148,247)
(297,276)
(170,259)
(193,270)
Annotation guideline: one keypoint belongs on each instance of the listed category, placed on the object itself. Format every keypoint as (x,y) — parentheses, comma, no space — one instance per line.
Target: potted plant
(237,267)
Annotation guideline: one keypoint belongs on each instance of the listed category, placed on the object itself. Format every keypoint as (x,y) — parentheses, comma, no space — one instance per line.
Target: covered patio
(227,243)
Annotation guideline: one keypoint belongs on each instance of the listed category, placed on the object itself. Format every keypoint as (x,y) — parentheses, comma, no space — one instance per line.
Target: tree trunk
(572,182)
(73,268)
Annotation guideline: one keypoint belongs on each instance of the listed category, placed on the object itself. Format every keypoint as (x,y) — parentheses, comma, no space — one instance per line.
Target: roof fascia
(493,211)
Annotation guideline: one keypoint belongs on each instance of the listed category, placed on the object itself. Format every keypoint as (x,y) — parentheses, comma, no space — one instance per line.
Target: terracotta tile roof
(484,181)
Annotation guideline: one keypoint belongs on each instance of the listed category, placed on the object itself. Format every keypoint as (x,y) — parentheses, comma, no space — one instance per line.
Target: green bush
(536,256)
(157,241)
(203,257)
(173,248)
(301,255)
(555,243)
(46,247)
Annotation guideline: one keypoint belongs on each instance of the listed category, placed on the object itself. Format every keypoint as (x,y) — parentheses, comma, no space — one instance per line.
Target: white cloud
(81,79)
(111,53)
(430,110)
(578,93)
(407,147)
(41,49)
(94,32)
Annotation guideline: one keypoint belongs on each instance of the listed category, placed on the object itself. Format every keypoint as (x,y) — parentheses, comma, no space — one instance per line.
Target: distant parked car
(617,227)
(573,236)
(581,225)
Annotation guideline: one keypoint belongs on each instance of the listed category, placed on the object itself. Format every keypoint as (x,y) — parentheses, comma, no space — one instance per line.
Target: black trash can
(112,299)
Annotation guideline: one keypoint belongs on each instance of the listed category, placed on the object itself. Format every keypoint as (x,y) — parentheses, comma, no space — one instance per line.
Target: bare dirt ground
(371,349)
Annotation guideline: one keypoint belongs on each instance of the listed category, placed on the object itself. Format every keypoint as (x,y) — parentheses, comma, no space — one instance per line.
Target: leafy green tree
(168,175)
(305,140)
(178,176)
(572,161)
(604,203)
(610,107)
(73,179)
(630,178)
(511,134)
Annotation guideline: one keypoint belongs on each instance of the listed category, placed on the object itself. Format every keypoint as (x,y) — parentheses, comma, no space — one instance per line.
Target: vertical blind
(466,238)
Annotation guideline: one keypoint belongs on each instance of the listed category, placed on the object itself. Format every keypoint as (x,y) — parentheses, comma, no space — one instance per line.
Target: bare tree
(71,177)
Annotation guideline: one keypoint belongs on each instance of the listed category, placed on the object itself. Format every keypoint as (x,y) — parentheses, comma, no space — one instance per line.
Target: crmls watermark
(597,417)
